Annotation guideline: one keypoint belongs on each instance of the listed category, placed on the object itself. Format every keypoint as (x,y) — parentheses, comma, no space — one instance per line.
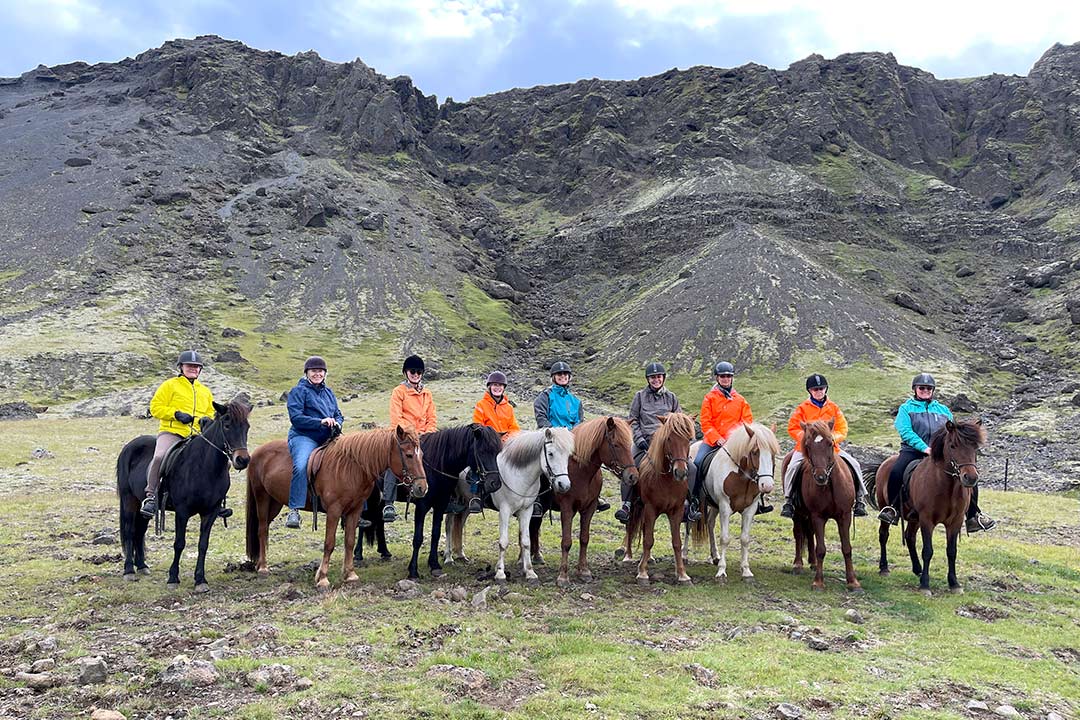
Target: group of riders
(182,403)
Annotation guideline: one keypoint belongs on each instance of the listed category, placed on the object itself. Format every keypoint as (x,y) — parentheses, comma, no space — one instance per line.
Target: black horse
(375,533)
(197,485)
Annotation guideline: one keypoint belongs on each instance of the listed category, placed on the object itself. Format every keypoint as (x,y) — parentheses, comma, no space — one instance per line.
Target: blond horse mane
(589,435)
(366,453)
(740,443)
(680,424)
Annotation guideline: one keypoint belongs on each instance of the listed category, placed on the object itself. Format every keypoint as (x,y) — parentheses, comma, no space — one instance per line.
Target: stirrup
(475,506)
(388,513)
(623,513)
(889,515)
(538,510)
(149,506)
(979,522)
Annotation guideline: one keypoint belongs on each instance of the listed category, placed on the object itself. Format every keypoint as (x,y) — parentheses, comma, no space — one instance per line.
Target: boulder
(170,197)
(77,162)
(17,411)
(906,301)
(91,671)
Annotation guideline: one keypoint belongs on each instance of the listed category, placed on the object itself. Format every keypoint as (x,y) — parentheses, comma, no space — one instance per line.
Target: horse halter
(613,464)
(551,476)
(746,474)
(822,478)
(957,473)
(407,478)
(225,449)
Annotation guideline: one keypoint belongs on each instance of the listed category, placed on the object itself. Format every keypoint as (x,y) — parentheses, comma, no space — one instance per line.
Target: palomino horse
(938,494)
(600,442)
(197,484)
(521,462)
(662,491)
(825,490)
(741,470)
(350,466)
(446,454)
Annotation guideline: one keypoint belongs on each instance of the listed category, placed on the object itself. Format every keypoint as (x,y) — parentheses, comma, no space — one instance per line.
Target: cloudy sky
(463,48)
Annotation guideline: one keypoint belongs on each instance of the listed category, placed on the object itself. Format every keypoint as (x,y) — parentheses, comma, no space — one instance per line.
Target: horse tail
(633,525)
(699,532)
(869,475)
(251,513)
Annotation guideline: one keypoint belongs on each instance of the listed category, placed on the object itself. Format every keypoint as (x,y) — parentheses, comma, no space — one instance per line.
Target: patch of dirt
(1067,655)
(981,612)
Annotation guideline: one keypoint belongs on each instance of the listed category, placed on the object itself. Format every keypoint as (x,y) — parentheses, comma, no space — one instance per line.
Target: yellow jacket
(409,406)
(181,394)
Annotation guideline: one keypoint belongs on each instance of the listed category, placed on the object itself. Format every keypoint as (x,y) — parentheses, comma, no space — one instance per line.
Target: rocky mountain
(847,214)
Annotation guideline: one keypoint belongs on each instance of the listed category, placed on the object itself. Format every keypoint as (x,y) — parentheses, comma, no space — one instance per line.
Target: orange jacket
(409,406)
(808,412)
(498,415)
(719,414)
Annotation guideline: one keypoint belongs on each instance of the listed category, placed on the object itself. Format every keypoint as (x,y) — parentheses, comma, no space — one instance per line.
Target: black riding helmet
(560,367)
(413,362)
(314,363)
(923,379)
(497,378)
(189,357)
(816,381)
(723,368)
(655,368)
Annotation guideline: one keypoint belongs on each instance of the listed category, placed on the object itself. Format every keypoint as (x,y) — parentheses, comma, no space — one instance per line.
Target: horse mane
(589,435)
(971,433)
(452,441)
(815,428)
(740,443)
(524,448)
(239,408)
(677,423)
(366,451)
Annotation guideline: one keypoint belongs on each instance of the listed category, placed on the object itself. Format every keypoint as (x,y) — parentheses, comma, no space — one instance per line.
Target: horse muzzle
(630,476)
(679,473)
(419,487)
(969,480)
(766,483)
(240,458)
(561,484)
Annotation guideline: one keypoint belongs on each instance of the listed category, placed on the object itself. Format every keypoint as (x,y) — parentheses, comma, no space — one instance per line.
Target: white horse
(523,459)
(740,471)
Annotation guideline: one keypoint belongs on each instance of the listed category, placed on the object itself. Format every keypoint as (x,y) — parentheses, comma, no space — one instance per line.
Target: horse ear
(221,409)
(950,425)
(802,426)
(547,433)
(401,434)
(832,423)
(749,430)
(610,423)
(662,418)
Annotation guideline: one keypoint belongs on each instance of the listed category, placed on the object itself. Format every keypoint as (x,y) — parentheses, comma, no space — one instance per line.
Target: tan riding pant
(796,462)
(165,441)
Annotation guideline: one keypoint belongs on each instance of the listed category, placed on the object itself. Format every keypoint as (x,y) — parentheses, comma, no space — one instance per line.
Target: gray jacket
(646,407)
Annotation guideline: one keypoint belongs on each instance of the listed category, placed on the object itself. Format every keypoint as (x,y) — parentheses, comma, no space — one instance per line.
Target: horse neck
(528,475)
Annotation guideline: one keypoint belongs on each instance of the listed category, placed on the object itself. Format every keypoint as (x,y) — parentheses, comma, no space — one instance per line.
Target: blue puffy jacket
(557,407)
(308,404)
(917,421)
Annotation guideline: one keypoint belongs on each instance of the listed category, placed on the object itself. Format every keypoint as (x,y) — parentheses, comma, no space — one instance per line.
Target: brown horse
(349,468)
(827,491)
(662,491)
(938,494)
(600,442)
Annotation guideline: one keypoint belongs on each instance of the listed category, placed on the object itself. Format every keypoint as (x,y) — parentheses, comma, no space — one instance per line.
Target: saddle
(703,470)
(313,465)
(905,496)
(168,464)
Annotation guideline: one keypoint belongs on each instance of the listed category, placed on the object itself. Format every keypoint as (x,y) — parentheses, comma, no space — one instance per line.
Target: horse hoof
(131,577)
(627,560)
(817,588)
(437,572)
(855,588)
(926,592)
(620,553)
(721,578)
(352,579)
(174,585)
(749,579)
(643,581)
(714,561)
(323,586)
(500,580)
(143,570)
(462,559)
(586,577)
(797,570)
(956,590)
(202,588)
(883,571)
(538,560)
(532,579)
(686,581)
(562,582)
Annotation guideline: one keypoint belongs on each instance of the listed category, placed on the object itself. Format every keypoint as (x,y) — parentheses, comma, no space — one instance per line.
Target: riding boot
(602,505)
(860,506)
(149,505)
(389,489)
(763,505)
(787,511)
(693,514)
(623,513)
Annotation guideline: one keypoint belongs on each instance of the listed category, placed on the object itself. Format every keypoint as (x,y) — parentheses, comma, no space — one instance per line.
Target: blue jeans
(300,447)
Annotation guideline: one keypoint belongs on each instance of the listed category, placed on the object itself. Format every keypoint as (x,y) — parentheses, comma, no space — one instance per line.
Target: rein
(748,476)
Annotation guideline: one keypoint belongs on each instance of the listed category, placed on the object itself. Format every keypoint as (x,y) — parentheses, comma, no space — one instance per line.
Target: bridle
(612,464)
(406,477)
(225,449)
(746,474)
(551,476)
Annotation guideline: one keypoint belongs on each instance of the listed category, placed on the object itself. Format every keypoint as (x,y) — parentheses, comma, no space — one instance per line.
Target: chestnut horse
(740,471)
(351,463)
(825,491)
(938,494)
(600,442)
(661,491)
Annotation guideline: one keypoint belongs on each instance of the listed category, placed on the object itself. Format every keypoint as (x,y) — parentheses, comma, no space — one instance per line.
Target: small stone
(854,616)
(91,671)
(36,681)
(591,707)
(458,594)
(702,675)
(816,643)
(47,645)
(104,539)
(41,454)
(77,162)
(406,586)
(1053,716)
(480,599)
(43,665)
(977,705)
(1007,711)
(587,597)
(788,711)
(304,683)
(101,714)
(438,594)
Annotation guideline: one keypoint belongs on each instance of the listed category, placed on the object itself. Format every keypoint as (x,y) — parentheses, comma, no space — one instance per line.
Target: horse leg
(909,540)
(566,520)
(648,520)
(950,550)
(417,543)
(525,526)
(448,540)
(744,541)
(504,543)
(675,521)
(459,538)
(584,529)
(883,541)
(139,544)
(322,575)
(819,552)
(800,543)
(710,521)
(433,555)
(380,537)
(127,538)
(844,524)
(534,540)
(348,565)
(179,542)
(927,553)
(206,524)
(725,539)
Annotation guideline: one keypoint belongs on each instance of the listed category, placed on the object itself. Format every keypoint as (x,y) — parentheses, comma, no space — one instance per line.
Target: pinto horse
(351,463)
(600,442)
(741,470)
(938,494)
(446,454)
(825,491)
(661,491)
(197,483)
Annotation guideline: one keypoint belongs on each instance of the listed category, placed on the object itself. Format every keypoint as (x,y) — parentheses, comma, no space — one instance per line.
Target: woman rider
(916,421)
(722,410)
(176,403)
(496,411)
(819,407)
(314,418)
(410,404)
(648,405)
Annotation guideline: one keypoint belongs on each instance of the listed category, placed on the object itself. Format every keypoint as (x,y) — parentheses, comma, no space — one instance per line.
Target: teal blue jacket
(917,421)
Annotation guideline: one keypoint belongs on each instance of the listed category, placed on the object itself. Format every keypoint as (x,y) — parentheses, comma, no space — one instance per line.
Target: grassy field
(609,649)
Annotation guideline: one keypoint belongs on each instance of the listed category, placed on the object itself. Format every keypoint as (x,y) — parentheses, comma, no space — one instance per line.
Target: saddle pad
(171,456)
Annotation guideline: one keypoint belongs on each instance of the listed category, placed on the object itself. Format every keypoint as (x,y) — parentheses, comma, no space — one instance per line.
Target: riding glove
(183,417)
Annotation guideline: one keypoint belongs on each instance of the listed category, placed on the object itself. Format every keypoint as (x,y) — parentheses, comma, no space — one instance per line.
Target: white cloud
(418,21)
